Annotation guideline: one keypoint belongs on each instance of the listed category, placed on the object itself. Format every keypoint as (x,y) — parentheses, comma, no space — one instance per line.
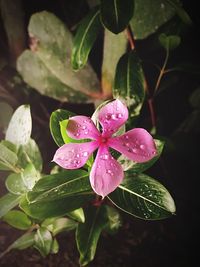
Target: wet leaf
(20,126)
(47,68)
(17,219)
(149,15)
(84,39)
(8,202)
(116,14)
(143,197)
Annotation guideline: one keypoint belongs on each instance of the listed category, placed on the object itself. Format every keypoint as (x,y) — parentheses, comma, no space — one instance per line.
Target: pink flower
(106,173)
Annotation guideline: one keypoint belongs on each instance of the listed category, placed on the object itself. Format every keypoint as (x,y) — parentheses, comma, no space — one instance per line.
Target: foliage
(56,65)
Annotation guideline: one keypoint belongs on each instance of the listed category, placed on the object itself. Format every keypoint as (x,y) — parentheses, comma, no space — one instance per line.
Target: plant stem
(162,71)
(130,37)
(150,98)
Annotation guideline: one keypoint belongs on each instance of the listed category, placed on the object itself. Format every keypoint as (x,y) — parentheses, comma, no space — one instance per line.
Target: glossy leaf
(60,207)
(55,119)
(20,183)
(149,16)
(17,219)
(50,72)
(84,39)
(61,185)
(77,215)
(87,234)
(143,197)
(58,225)
(20,126)
(135,167)
(8,202)
(30,153)
(24,241)
(55,246)
(169,42)
(113,48)
(130,83)
(8,158)
(43,241)
(114,220)
(116,14)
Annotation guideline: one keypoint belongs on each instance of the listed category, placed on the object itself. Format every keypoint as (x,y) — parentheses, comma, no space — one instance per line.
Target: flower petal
(74,156)
(106,173)
(136,144)
(82,127)
(112,116)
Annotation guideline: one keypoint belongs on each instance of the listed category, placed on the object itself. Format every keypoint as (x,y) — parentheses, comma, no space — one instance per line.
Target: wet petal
(74,156)
(136,144)
(106,173)
(82,127)
(112,116)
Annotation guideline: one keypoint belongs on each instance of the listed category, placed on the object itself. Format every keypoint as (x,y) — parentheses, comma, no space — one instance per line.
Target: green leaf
(114,220)
(60,207)
(61,185)
(20,126)
(24,241)
(84,39)
(55,246)
(180,11)
(135,167)
(30,153)
(149,16)
(143,197)
(169,42)
(114,47)
(87,234)
(5,115)
(77,215)
(56,117)
(58,225)
(130,83)
(116,14)
(8,202)
(43,241)
(51,73)
(20,183)
(17,219)
(8,158)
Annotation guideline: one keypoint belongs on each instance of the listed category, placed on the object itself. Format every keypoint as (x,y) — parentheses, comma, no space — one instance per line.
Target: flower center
(102,140)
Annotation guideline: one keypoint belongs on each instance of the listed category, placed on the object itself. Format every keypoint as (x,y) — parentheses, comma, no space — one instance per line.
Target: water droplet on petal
(104,156)
(142,147)
(77,134)
(108,116)
(84,127)
(85,154)
(135,150)
(110,172)
(86,132)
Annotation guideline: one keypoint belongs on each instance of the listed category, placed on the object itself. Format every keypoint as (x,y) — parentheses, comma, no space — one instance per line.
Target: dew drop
(104,156)
(108,116)
(78,155)
(135,150)
(77,134)
(142,147)
(84,127)
(110,172)
(86,132)
(85,154)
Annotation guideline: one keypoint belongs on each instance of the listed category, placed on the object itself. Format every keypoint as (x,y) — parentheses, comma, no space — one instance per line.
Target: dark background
(171,242)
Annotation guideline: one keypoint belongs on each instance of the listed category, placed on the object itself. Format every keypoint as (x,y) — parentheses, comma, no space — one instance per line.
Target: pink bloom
(106,173)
